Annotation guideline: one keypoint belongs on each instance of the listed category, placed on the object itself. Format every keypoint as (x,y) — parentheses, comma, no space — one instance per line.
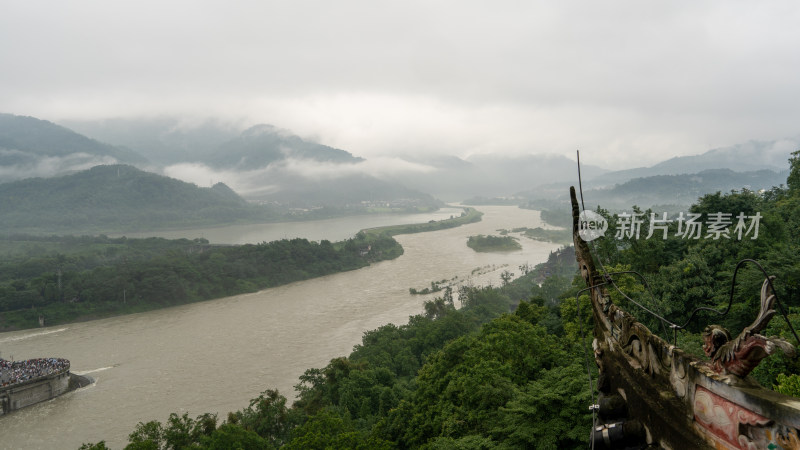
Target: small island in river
(482,243)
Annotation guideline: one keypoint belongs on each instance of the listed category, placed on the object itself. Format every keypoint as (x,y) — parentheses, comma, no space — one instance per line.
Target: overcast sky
(628,82)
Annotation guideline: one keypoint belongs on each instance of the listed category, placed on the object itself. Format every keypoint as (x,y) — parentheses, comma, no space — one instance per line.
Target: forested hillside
(30,147)
(744,157)
(118,198)
(261,145)
(686,188)
(23,137)
(671,190)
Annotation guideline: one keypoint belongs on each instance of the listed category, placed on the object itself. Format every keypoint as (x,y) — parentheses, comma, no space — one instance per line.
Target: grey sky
(627,82)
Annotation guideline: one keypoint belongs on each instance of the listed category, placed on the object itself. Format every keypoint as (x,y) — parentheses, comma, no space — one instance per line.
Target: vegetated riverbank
(55,280)
(562,236)
(469,215)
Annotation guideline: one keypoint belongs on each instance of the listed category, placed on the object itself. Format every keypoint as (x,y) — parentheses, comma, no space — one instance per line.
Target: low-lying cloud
(276,176)
(17,165)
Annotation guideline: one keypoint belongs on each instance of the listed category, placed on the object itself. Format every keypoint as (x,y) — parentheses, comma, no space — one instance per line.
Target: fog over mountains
(268,165)
(36,148)
(745,157)
(111,198)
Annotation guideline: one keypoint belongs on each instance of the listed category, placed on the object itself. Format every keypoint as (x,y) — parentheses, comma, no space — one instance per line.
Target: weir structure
(18,395)
(655,395)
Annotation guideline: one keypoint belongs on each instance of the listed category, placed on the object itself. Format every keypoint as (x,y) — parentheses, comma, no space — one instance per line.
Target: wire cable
(586,358)
(694,312)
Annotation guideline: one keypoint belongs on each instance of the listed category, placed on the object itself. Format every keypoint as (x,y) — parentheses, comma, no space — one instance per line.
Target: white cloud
(274,176)
(18,165)
(633,81)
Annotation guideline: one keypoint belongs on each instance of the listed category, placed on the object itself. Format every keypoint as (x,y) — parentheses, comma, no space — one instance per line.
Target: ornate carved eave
(680,401)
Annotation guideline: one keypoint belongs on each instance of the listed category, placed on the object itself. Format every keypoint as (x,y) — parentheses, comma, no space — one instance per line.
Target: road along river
(215,356)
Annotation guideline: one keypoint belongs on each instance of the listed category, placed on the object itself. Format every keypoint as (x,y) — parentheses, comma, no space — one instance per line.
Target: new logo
(591,225)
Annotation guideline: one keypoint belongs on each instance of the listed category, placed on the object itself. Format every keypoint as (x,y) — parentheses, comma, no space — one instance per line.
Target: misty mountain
(267,164)
(30,147)
(162,140)
(262,145)
(272,165)
(263,163)
(114,198)
(681,180)
(220,145)
(355,192)
(671,190)
(491,175)
(747,157)
(684,189)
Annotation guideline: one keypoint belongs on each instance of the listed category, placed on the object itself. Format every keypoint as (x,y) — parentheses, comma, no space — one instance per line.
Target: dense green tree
(147,436)
(233,437)
(461,387)
(793,180)
(96,446)
(268,417)
(550,411)
(330,430)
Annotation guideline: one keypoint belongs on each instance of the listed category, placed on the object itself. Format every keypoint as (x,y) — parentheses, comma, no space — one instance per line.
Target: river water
(314,230)
(216,355)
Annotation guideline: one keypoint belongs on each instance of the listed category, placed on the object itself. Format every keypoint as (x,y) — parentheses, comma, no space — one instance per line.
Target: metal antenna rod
(580,182)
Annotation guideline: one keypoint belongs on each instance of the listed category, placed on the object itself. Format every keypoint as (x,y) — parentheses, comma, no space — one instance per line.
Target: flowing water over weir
(215,356)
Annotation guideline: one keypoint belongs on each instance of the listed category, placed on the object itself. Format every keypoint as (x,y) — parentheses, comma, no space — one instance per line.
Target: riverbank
(470,215)
(104,277)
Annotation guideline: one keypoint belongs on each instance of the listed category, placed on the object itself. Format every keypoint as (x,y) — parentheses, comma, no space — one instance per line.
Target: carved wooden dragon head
(741,355)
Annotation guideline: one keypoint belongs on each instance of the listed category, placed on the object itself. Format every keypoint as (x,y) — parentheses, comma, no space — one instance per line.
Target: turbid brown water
(215,356)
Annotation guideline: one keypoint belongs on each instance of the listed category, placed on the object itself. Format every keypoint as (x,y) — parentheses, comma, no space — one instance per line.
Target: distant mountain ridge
(34,147)
(262,145)
(272,165)
(663,190)
(111,198)
(456,179)
(685,189)
(448,177)
(746,157)
(162,140)
(220,145)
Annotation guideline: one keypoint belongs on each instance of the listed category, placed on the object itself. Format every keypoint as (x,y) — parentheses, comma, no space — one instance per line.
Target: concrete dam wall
(34,391)
(19,393)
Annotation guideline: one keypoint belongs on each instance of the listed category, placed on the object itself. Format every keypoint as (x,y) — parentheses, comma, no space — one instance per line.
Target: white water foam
(31,335)
(95,370)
